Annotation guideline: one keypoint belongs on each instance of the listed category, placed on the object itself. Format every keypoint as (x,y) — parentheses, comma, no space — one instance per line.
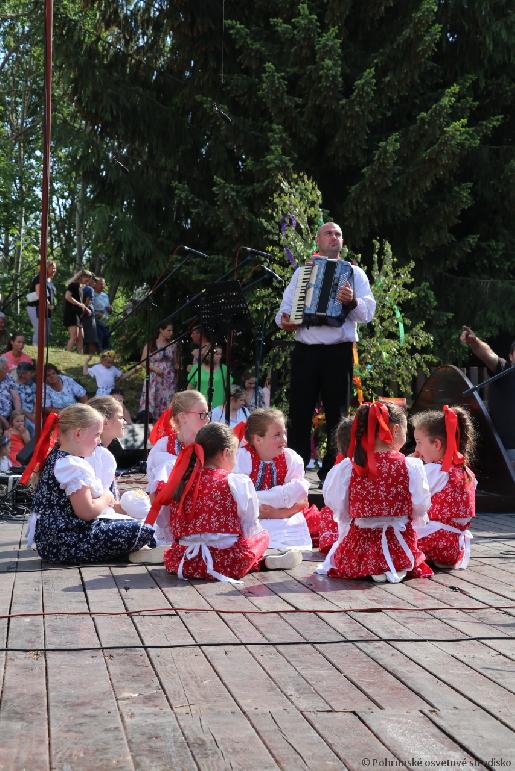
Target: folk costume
(375,506)
(328,533)
(60,535)
(279,483)
(445,539)
(216,529)
(160,462)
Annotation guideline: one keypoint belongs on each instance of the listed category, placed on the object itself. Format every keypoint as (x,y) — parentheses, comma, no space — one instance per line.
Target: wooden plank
(480,734)
(153,733)
(23,708)
(351,740)
(474,686)
(86,730)
(371,678)
(293,742)
(417,678)
(411,736)
(218,734)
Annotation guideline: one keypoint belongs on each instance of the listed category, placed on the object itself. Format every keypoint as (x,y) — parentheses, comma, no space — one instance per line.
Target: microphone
(192,251)
(254,251)
(273,274)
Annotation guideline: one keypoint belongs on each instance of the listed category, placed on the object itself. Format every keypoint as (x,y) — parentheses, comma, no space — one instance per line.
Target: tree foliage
(175,125)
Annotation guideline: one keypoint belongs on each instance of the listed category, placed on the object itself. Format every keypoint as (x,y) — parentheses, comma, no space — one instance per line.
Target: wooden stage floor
(424,679)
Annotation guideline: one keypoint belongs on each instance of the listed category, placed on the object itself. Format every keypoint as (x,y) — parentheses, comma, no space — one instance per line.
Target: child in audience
(277,473)
(105,373)
(328,525)
(69,499)
(445,442)
(376,500)
(188,414)
(18,436)
(5,449)
(214,513)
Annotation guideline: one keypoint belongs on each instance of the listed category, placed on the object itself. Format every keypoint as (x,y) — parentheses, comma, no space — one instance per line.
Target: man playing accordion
(321,365)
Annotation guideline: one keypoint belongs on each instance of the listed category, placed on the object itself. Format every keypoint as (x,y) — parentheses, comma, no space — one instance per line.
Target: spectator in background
(74,308)
(60,390)
(18,436)
(104,373)
(26,388)
(238,412)
(220,375)
(15,355)
(9,396)
(254,397)
(117,394)
(89,322)
(103,309)
(33,301)
(5,449)
(501,393)
(5,337)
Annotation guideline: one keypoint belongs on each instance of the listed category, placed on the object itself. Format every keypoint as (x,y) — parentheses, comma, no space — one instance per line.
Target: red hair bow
(46,441)
(452,455)
(239,430)
(377,428)
(165,495)
(162,426)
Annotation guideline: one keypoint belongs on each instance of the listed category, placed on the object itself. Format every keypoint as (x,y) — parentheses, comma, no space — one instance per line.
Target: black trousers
(318,371)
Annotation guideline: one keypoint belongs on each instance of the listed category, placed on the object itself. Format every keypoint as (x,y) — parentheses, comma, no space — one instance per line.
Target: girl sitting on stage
(102,461)
(376,500)
(278,476)
(328,525)
(214,514)
(188,413)
(69,498)
(445,441)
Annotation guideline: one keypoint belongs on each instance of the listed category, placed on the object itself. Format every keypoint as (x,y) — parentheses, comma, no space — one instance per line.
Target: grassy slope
(71,364)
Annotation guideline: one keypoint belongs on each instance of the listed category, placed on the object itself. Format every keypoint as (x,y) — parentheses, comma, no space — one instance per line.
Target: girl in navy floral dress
(69,499)
(444,441)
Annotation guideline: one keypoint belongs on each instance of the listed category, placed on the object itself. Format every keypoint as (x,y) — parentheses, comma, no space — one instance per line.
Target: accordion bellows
(314,301)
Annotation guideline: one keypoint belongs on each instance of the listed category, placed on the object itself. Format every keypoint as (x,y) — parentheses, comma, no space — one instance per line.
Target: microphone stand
(498,376)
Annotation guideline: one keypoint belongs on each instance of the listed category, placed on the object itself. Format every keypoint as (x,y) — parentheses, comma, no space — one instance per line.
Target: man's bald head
(329,240)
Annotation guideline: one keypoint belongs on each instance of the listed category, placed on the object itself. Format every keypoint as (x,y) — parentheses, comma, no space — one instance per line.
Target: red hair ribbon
(162,426)
(46,441)
(239,430)
(165,494)
(339,458)
(452,455)
(378,418)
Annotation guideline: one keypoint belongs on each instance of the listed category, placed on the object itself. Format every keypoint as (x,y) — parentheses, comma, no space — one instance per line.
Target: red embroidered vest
(215,509)
(173,445)
(388,494)
(267,474)
(457,500)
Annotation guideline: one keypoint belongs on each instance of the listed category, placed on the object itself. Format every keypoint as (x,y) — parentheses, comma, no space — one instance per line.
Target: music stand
(223,310)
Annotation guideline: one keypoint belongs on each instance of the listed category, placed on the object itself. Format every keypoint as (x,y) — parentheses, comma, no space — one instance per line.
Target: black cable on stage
(266,643)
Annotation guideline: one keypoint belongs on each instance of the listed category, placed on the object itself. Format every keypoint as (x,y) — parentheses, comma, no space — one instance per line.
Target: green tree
(392,349)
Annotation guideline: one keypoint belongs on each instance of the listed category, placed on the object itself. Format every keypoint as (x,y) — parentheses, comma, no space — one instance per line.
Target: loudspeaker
(128,450)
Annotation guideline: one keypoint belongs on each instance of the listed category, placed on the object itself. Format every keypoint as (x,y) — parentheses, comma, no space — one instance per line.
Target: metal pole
(47,132)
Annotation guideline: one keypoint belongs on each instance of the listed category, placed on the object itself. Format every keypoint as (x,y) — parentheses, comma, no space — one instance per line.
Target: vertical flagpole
(47,132)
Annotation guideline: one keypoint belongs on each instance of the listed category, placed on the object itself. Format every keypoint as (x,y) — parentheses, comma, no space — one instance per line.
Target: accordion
(314,301)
